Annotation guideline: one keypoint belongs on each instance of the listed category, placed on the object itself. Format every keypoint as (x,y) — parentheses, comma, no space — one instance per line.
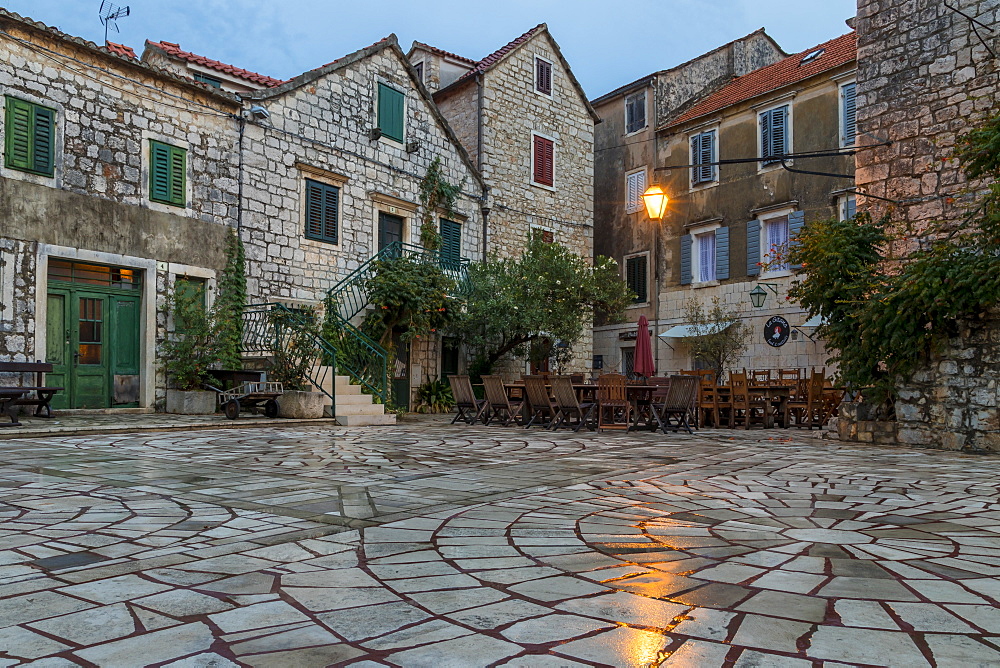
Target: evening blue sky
(607,43)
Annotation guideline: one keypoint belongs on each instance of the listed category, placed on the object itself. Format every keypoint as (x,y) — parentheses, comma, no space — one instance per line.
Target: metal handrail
(358,356)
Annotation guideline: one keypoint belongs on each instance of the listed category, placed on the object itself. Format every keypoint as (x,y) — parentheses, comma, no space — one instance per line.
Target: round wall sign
(776,331)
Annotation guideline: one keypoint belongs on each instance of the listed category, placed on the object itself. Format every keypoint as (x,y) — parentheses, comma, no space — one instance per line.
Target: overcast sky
(606,43)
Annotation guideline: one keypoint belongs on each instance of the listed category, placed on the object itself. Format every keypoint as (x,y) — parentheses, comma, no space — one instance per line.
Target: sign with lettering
(776,331)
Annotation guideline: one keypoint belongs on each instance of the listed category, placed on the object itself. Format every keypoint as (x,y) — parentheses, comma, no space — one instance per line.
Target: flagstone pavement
(427,544)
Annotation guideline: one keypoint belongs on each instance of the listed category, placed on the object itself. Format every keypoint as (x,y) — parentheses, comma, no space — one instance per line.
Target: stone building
(136,169)
(926,72)
(727,224)
(527,124)
(88,242)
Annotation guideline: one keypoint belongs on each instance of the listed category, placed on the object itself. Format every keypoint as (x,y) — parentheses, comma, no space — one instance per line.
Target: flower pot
(191,402)
(301,405)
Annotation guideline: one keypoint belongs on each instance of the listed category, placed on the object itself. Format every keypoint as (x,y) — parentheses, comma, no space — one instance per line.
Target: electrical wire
(572,223)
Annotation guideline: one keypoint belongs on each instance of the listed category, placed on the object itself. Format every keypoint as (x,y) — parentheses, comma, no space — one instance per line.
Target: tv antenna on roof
(110,13)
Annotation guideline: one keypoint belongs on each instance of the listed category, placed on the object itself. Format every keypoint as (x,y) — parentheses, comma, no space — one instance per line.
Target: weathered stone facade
(495,110)
(739,195)
(924,77)
(95,207)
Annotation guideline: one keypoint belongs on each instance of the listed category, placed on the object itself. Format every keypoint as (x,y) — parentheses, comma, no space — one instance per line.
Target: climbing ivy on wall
(436,194)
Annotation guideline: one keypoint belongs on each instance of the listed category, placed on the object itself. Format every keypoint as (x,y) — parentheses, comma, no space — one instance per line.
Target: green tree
(722,337)
(886,315)
(409,295)
(191,349)
(547,293)
(230,304)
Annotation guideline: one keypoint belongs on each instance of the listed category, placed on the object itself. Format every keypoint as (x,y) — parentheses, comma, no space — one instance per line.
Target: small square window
(390,112)
(419,68)
(635,112)
(635,186)
(543,161)
(703,155)
(30,138)
(543,76)
(205,79)
(167,174)
(322,207)
(773,135)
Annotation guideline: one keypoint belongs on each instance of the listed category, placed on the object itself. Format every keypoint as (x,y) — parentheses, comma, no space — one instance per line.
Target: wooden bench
(26,395)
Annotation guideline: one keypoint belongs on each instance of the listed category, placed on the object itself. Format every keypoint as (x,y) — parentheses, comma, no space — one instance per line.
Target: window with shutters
(322,208)
(703,154)
(774,244)
(390,112)
(30,144)
(167,174)
(542,161)
(775,132)
(543,76)
(637,277)
(451,244)
(703,257)
(635,112)
(635,186)
(848,207)
(848,115)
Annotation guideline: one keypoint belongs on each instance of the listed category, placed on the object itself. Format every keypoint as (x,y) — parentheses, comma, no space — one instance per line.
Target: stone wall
(923,78)
(17,305)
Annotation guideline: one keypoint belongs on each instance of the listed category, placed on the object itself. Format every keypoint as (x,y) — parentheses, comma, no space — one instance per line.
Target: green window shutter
(322,203)
(178,176)
(19,130)
(159,172)
(390,112)
(451,244)
(43,144)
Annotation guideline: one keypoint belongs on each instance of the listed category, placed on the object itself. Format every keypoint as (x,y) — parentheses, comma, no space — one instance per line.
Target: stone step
(359,398)
(360,409)
(365,420)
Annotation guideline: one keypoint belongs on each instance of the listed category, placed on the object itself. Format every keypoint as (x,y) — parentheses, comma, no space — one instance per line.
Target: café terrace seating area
(685,401)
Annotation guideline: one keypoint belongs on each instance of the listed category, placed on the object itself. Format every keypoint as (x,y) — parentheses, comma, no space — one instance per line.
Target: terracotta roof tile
(175,50)
(836,52)
(121,50)
(442,52)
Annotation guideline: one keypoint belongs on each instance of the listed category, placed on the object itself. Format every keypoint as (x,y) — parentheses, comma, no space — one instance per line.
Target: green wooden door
(91,352)
(124,359)
(57,345)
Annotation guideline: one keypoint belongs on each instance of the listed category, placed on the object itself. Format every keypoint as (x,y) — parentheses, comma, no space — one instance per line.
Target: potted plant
(189,351)
(295,356)
(435,397)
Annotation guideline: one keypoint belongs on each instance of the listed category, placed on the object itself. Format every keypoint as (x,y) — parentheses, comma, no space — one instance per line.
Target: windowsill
(543,186)
(776,274)
(774,166)
(645,304)
(703,186)
(635,132)
(547,96)
(705,284)
(635,210)
(325,242)
(170,204)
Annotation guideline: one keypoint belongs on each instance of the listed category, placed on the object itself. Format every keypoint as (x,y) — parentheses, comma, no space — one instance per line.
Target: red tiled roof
(121,50)
(837,52)
(495,57)
(175,50)
(442,52)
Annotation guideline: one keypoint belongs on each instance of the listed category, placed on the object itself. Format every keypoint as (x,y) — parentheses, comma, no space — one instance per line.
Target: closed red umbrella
(644,365)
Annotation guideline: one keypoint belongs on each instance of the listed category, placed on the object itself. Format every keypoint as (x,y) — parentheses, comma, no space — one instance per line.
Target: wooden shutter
(322,203)
(178,175)
(635,278)
(765,136)
(796,221)
(686,242)
(43,144)
(451,244)
(779,135)
(722,253)
(390,112)
(635,186)
(544,161)
(19,129)
(696,159)
(848,93)
(753,248)
(707,156)
(543,76)
(159,172)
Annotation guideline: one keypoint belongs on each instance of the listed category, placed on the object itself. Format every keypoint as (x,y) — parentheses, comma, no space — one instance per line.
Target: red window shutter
(544,161)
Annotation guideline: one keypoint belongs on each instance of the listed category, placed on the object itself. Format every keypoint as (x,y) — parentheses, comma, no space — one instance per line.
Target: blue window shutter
(796,221)
(722,253)
(707,156)
(753,248)
(765,136)
(696,159)
(849,121)
(686,242)
(779,134)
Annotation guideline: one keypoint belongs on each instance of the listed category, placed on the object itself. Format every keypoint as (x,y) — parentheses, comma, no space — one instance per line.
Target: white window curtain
(777,243)
(706,257)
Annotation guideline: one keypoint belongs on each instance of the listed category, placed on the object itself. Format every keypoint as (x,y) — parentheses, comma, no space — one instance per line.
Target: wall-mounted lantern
(759,295)
(655,199)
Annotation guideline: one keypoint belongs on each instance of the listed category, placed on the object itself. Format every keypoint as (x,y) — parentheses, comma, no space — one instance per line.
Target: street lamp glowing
(655,200)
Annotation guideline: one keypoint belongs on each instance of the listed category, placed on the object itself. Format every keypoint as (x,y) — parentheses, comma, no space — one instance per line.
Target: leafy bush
(192,348)
(435,396)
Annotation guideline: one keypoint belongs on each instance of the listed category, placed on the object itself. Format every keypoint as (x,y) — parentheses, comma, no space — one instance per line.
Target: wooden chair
(746,408)
(675,411)
(612,399)
(714,407)
(541,405)
(788,376)
(576,378)
(810,410)
(759,377)
(568,405)
(469,408)
(501,407)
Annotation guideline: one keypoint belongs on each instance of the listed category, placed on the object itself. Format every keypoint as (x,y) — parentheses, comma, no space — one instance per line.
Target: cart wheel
(271,408)
(232,409)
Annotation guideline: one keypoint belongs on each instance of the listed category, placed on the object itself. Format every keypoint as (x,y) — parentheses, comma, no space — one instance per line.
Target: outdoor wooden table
(774,394)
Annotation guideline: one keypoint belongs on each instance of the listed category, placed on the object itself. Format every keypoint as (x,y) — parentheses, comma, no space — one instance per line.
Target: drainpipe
(239,193)
(485,204)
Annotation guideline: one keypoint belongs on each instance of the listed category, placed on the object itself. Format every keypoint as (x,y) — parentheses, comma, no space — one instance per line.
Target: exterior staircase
(355,408)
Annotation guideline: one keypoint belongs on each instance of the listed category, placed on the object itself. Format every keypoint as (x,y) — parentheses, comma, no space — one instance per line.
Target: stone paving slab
(429,544)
